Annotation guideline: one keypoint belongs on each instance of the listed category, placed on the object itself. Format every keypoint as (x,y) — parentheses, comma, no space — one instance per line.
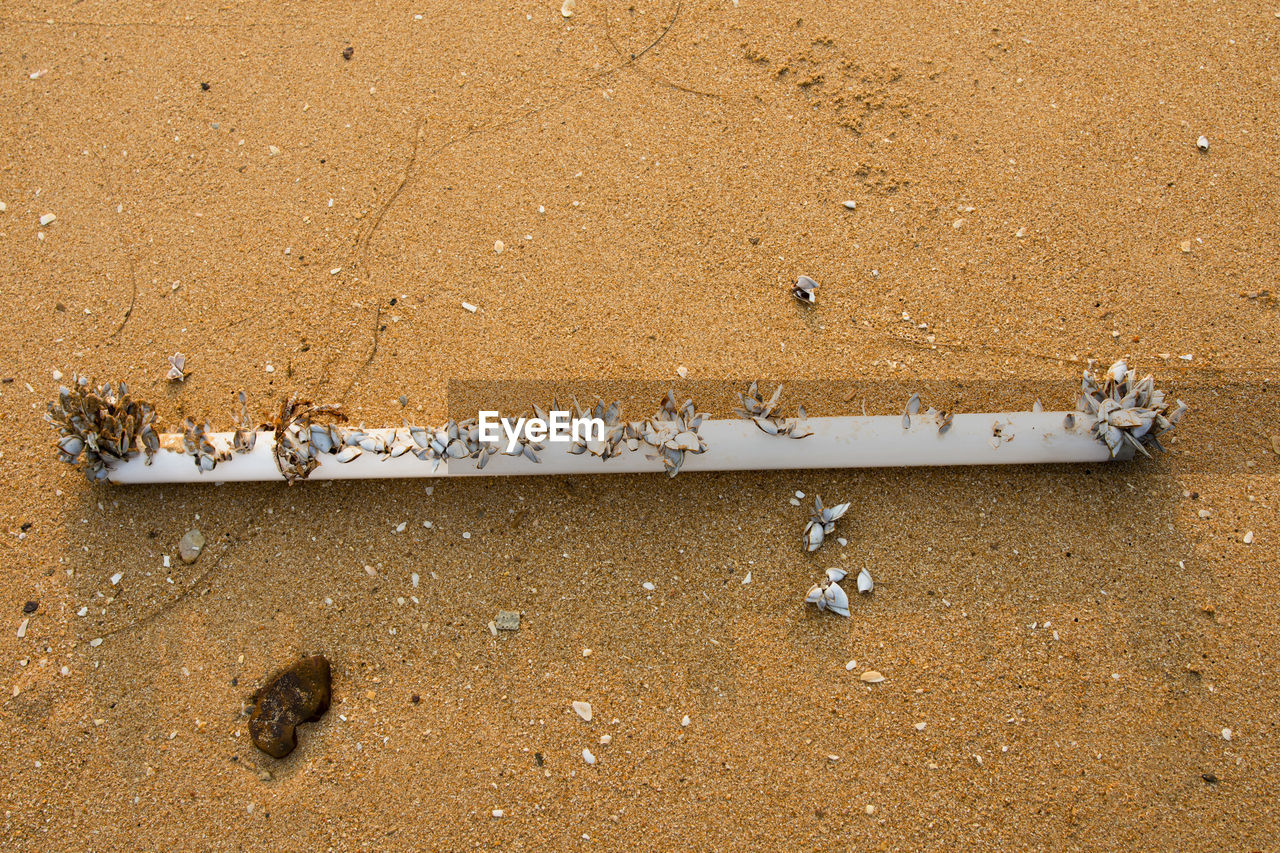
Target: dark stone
(1210,778)
(204,87)
(296,695)
(30,607)
(415,698)
(348,52)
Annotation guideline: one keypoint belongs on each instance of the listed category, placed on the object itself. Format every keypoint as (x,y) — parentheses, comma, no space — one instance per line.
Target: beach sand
(1030,196)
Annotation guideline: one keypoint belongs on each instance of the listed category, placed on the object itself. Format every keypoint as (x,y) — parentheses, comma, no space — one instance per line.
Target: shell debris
(872,676)
(583,710)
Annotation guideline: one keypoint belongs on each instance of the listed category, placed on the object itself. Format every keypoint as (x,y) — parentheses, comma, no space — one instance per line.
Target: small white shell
(865,584)
(835,575)
(347,454)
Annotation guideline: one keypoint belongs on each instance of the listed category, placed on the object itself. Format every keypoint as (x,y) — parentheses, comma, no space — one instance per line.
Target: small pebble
(496,812)
(851,666)
(649,586)
(1203,143)
(347,53)
(498,246)
(508,620)
(1226,734)
(1248,537)
(583,710)
(30,607)
(685,721)
(1204,513)
(567,8)
(47,218)
(115,579)
(95,642)
(191,545)
(850,205)
(870,809)
(920,727)
(468,306)
(588,757)
(605,740)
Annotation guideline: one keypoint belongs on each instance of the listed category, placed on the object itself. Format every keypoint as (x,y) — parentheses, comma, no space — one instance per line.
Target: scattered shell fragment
(583,710)
(191,545)
(865,584)
(827,594)
(22,628)
(47,218)
(1248,537)
(872,676)
(177,368)
(1203,144)
(648,585)
(498,246)
(295,695)
(568,7)
(468,306)
(805,289)
(1226,734)
(586,753)
(850,205)
(684,721)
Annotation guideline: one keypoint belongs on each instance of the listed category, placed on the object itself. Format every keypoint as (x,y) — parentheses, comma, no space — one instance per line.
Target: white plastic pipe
(1006,438)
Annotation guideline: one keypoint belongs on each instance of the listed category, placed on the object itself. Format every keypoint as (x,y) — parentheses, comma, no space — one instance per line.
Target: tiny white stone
(685,721)
(401,526)
(466,535)
(649,586)
(605,740)
(1203,143)
(851,205)
(851,666)
(370,571)
(1248,537)
(583,710)
(335,270)
(794,502)
(588,757)
(413,579)
(115,579)
(498,813)
(57,375)
(97,641)
(920,727)
(747,579)
(1226,734)
(82,612)
(683,371)
(47,218)
(166,561)
(270,368)
(800,495)
(468,306)
(567,8)
(498,246)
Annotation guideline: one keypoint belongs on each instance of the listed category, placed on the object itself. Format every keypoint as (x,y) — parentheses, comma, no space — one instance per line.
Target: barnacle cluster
(765,415)
(1129,412)
(295,447)
(197,440)
(100,425)
(617,433)
(822,523)
(672,432)
(246,435)
(459,440)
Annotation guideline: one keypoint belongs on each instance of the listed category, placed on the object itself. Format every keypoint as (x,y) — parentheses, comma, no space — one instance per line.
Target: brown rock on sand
(295,695)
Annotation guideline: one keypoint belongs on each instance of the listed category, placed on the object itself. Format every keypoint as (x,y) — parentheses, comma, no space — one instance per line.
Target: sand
(227,185)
